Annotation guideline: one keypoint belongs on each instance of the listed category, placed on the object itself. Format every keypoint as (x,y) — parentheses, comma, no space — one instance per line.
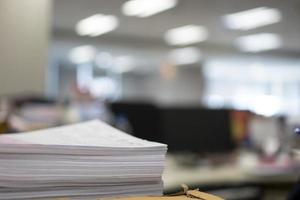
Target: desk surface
(175,174)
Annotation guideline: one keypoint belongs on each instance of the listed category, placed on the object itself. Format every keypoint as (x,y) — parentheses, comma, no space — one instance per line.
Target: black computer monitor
(143,117)
(197,130)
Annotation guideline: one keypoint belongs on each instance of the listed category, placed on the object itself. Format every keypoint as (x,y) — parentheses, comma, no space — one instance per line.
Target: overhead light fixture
(186,35)
(185,56)
(82,54)
(254,18)
(258,42)
(96,25)
(146,8)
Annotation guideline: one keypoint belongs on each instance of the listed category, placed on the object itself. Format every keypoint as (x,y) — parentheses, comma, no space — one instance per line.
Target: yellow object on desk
(185,195)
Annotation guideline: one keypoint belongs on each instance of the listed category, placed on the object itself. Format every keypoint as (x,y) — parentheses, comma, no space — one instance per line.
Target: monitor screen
(197,130)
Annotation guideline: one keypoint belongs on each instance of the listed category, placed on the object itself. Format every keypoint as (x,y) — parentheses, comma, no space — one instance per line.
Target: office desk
(227,175)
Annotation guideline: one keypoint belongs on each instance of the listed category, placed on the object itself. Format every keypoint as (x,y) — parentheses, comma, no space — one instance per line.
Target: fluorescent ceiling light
(96,25)
(258,42)
(185,56)
(253,18)
(186,35)
(146,8)
(82,54)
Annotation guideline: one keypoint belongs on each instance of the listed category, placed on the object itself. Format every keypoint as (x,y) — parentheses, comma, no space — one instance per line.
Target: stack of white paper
(89,159)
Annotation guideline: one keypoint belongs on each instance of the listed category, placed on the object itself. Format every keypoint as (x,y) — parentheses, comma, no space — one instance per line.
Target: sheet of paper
(92,133)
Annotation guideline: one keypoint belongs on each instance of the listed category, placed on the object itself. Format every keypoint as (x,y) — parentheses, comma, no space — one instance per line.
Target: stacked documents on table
(85,160)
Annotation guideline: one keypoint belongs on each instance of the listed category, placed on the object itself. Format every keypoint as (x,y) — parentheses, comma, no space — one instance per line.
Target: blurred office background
(218,81)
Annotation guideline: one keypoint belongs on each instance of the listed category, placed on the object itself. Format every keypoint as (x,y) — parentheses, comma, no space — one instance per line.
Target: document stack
(88,160)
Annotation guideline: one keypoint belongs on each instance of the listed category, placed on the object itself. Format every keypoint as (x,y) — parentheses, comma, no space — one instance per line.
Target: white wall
(24,38)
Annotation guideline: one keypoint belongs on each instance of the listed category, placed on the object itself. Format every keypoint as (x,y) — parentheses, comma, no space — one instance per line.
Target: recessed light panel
(96,25)
(185,56)
(147,8)
(82,54)
(258,42)
(186,35)
(250,19)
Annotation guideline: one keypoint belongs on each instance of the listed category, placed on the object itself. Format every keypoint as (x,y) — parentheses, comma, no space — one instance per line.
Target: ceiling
(200,12)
